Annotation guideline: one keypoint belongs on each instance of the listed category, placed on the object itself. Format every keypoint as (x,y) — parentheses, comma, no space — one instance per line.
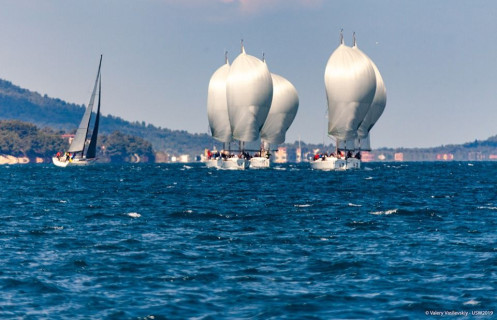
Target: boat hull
(234,163)
(328,164)
(74,162)
(353,163)
(259,163)
(213,163)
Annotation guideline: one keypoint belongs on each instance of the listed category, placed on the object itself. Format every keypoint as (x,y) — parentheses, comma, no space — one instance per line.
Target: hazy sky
(438,58)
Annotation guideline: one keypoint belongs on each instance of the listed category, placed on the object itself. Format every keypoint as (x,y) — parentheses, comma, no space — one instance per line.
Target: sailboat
(350,83)
(75,155)
(283,110)
(249,92)
(217,113)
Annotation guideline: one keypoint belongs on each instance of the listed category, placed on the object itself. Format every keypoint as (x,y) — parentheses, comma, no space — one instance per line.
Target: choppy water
(185,242)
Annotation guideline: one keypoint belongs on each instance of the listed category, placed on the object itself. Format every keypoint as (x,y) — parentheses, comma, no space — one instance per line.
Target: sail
(78,143)
(249,91)
(217,106)
(350,87)
(375,110)
(92,148)
(283,110)
(347,144)
(363,143)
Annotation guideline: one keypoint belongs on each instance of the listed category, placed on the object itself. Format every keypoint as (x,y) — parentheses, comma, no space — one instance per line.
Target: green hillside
(21,104)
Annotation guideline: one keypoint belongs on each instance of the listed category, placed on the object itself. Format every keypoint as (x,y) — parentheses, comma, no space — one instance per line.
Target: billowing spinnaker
(283,110)
(350,87)
(217,106)
(249,90)
(375,111)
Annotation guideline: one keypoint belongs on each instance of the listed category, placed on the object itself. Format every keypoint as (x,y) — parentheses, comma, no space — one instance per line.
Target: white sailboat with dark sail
(76,155)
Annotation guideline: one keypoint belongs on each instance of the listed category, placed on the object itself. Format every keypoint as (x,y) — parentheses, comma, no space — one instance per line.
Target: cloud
(247,7)
(257,6)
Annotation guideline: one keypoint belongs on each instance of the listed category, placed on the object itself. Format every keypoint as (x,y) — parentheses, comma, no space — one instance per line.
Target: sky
(438,59)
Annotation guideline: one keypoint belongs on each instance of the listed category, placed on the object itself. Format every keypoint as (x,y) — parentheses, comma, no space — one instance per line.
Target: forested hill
(21,104)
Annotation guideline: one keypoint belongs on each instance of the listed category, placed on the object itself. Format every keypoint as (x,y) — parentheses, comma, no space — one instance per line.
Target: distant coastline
(177,145)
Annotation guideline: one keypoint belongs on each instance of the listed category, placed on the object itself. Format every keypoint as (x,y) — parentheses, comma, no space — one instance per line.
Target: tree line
(24,139)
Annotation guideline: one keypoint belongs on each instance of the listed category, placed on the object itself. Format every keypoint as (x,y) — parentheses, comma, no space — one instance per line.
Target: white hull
(353,163)
(234,163)
(329,163)
(213,163)
(259,163)
(74,162)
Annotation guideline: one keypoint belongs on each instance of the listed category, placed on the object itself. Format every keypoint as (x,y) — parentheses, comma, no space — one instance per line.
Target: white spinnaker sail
(217,105)
(249,91)
(283,110)
(350,87)
(375,110)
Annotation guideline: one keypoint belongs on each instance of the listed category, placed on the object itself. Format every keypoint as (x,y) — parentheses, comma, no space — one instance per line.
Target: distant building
(280,156)
(298,155)
(184,158)
(161,157)
(367,156)
(399,156)
(475,156)
(445,157)
(67,136)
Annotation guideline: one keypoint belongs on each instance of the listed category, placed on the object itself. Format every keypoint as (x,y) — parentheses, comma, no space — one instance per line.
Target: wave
(354,205)
(386,212)
(471,303)
(134,214)
(486,208)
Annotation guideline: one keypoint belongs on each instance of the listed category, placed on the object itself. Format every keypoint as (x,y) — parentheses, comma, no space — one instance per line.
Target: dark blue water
(185,242)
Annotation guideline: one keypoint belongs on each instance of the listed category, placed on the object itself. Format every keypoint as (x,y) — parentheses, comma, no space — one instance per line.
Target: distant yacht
(283,110)
(249,91)
(238,102)
(353,87)
(76,156)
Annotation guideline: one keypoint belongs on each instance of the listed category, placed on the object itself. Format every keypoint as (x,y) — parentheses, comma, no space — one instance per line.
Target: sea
(180,241)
